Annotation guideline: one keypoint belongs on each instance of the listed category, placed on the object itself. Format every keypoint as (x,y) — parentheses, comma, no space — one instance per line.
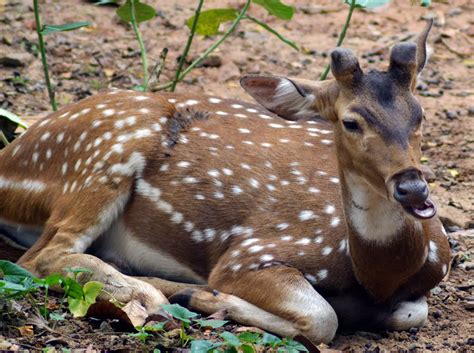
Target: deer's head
(377,120)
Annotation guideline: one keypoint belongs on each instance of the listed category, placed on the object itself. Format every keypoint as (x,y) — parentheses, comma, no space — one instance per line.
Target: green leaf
(10,287)
(179,312)
(203,346)
(79,306)
(249,337)
(13,118)
(368,4)
(143,12)
(91,291)
(156,327)
(13,272)
(425,3)
(210,20)
(142,335)
(53,279)
(231,339)
(276,8)
(48,29)
(73,289)
(247,348)
(56,316)
(292,345)
(211,323)
(270,339)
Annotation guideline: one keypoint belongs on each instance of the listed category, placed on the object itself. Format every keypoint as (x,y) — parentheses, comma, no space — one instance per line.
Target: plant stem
(182,59)
(211,48)
(271,30)
(142,45)
(4,139)
(342,35)
(43,55)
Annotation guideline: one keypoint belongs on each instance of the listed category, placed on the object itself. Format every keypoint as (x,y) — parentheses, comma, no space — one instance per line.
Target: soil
(106,54)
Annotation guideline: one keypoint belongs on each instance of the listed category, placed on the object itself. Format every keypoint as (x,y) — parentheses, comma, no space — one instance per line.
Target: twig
(271,30)
(158,68)
(211,48)
(140,42)
(43,55)
(188,45)
(342,35)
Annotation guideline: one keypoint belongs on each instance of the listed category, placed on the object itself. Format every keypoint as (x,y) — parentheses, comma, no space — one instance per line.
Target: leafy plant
(45,30)
(207,23)
(136,12)
(19,283)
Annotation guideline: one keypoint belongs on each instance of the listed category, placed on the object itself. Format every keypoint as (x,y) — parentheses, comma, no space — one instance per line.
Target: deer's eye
(351,125)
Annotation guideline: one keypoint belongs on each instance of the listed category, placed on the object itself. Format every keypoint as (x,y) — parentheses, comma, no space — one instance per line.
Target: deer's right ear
(292,99)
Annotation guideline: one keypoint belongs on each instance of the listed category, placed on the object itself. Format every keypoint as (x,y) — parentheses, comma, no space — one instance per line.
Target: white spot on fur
(326,250)
(303,241)
(266,258)
(306,215)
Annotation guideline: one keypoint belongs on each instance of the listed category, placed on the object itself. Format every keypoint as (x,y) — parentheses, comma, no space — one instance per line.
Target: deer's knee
(408,314)
(319,325)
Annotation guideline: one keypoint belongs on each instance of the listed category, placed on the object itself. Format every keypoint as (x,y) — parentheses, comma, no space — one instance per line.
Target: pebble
(470,111)
(451,114)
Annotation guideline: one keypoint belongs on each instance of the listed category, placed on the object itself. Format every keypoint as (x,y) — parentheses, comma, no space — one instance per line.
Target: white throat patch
(373,217)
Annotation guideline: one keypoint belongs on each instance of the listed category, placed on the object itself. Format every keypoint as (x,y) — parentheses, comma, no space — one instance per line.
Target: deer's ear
(292,99)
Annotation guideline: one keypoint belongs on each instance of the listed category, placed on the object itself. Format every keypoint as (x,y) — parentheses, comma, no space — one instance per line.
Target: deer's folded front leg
(277,299)
(68,233)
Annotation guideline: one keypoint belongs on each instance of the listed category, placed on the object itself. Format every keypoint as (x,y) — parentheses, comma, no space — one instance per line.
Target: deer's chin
(426,210)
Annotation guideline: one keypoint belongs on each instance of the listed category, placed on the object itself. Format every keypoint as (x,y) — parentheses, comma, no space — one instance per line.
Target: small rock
(15,59)
(454,12)
(436,314)
(211,61)
(451,114)
(435,291)
(7,40)
(470,111)
(469,305)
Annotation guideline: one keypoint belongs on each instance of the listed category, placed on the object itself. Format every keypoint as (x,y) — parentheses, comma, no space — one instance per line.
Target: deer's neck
(386,246)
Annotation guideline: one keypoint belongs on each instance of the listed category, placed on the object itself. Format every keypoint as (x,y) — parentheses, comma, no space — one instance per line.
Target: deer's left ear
(408,59)
(292,99)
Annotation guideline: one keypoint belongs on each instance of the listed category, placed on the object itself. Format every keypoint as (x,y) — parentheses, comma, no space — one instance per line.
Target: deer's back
(227,179)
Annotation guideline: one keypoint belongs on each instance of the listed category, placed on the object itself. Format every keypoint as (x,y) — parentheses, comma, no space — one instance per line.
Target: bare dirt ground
(86,61)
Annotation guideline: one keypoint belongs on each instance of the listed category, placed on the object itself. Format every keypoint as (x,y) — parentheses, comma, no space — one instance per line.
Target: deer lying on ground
(294,225)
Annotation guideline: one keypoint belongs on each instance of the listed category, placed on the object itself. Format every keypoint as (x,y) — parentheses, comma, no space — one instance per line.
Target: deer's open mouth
(426,210)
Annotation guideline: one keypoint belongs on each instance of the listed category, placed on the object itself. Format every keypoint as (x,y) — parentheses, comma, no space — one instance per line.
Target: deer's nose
(410,188)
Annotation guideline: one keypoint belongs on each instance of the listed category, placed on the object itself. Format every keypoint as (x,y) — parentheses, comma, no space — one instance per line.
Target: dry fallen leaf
(136,312)
(248,329)
(26,331)
(103,309)
(218,315)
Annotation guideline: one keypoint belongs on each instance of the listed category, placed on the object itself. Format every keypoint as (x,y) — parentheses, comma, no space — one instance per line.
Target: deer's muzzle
(411,191)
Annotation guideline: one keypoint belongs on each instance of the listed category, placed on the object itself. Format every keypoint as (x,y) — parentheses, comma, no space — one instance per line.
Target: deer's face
(378,136)
(377,120)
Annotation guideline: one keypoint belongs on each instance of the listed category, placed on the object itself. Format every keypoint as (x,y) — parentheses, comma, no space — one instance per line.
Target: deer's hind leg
(72,227)
(277,299)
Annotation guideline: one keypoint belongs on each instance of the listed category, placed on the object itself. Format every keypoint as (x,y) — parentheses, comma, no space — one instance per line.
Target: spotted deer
(300,215)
